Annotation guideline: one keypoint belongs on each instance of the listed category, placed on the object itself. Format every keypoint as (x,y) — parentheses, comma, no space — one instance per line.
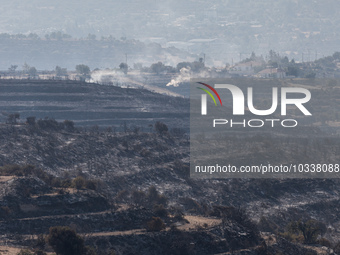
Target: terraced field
(89,104)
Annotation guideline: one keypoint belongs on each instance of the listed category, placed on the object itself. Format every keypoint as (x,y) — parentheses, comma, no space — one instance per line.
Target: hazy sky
(235,28)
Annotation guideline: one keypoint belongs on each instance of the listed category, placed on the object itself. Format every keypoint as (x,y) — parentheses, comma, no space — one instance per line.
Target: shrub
(191,205)
(122,196)
(28,252)
(145,153)
(49,124)
(40,252)
(160,210)
(267,225)
(69,125)
(262,249)
(90,251)
(78,182)
(65,241)
(41,242)
(179,217)
(152,193)
(336,248)
(5,212)
(297,238)
(309,229)
(90,184)
(155,225)
(12,118)
(25,252)
(181,169)
(177,132)
(161,128)
(138,197)
(154,197)
(324,242)
(30,121)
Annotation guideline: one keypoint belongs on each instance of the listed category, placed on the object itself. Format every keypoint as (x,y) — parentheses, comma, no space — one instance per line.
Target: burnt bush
(161,128)
(65,241)
(336,248)
(310,230)
(266,225)
(49,124)
(5,212)
(181,169)
(78,182)
(160,211)
(239,230)
(324,242)
(69,125)
(30,120)
(155,225)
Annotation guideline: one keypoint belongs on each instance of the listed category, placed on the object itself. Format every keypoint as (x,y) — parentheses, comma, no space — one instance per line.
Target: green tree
(91,37)
(123,67)
(12,68)
(4,36)
(83,69)
(157,67)
(55,35)
(26,67)
(60,71)
(65,241)
(33,36)
(32,71)
(293,71)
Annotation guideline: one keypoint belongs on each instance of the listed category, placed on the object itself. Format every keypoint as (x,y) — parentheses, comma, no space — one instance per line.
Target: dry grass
(6,178)
(5,250)
(199,221)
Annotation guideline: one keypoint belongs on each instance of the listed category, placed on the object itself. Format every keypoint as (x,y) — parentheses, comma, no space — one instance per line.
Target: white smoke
(133,80)
(108,76)
(185,74)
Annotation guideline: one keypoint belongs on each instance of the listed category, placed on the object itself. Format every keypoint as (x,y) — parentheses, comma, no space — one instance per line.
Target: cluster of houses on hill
(250,69)
(327,67)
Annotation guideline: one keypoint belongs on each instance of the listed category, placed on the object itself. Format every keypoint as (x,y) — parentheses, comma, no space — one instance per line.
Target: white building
(271,73)
(244,69)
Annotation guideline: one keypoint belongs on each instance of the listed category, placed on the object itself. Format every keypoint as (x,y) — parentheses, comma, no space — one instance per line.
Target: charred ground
(112,186)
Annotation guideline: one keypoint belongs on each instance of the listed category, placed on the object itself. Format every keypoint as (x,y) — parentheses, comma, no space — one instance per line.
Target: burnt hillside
(107,182)
(89,104)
